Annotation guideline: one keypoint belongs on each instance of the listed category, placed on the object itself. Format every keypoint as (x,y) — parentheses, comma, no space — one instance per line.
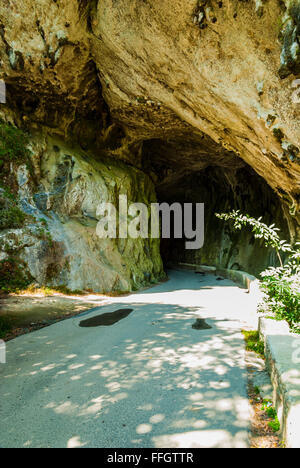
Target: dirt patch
(26,313)
(30,311)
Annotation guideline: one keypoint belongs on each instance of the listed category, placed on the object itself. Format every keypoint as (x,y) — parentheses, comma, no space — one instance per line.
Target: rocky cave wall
(58,243)
(197,99)
(221,190)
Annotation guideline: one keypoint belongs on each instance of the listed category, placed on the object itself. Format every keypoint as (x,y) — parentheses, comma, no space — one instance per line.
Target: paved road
(150,380)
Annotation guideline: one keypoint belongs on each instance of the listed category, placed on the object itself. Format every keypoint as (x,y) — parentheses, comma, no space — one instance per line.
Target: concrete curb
(243,278)
(282,349)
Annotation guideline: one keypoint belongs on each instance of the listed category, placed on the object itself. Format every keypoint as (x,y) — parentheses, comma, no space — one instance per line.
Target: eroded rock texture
(59,244)
(197,98)
(222,80)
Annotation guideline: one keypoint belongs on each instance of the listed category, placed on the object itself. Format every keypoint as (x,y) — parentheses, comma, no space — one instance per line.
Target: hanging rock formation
(196,100)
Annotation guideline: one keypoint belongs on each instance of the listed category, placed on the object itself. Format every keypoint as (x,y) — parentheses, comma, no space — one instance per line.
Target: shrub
(271,412)
(11,217)
(13,149)
(13,144)
(282,288)
(12,276)
(281,285)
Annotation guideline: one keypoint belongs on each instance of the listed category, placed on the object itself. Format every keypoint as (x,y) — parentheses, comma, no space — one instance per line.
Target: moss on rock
(11,217)
(13,144)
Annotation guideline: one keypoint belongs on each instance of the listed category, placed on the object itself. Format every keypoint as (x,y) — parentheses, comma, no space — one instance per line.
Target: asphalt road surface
(147,380)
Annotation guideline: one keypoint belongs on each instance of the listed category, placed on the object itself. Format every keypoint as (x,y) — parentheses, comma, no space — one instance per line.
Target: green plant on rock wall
(13,152)
(11,216)
(13,144)
(13,276)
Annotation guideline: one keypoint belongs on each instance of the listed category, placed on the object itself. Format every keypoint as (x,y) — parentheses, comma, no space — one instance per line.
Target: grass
(253,342)
(63,289)
(50,291)
(271,412)
(68,292)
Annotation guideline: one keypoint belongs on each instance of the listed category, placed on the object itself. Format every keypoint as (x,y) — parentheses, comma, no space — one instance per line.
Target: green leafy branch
(281,284)
(261,231)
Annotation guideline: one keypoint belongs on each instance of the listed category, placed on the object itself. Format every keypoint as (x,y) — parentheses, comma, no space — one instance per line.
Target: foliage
(13,144)
(12,276)
(271,412)
(11,217)
(253,342)
(274,424)
(281,285)
(282,288)
(261,230)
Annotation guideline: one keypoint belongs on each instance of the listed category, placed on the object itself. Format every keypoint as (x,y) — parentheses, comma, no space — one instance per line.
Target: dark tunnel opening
(223,182)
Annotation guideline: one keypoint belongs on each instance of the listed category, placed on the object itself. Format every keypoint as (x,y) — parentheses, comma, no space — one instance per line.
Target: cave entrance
(191,173)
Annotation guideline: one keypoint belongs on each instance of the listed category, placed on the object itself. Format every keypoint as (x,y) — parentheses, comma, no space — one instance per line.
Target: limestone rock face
(176,69)
(196,100)
(59,245)
(221,189)
(47,66)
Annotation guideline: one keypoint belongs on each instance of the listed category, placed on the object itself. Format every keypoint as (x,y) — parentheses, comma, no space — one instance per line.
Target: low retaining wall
(282,349)
(241,277)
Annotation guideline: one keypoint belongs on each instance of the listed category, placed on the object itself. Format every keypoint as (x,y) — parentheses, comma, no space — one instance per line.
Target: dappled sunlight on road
(150,380)
(205,439)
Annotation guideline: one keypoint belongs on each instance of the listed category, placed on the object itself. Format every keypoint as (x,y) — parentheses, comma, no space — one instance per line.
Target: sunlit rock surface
(146,96)
(59,244)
